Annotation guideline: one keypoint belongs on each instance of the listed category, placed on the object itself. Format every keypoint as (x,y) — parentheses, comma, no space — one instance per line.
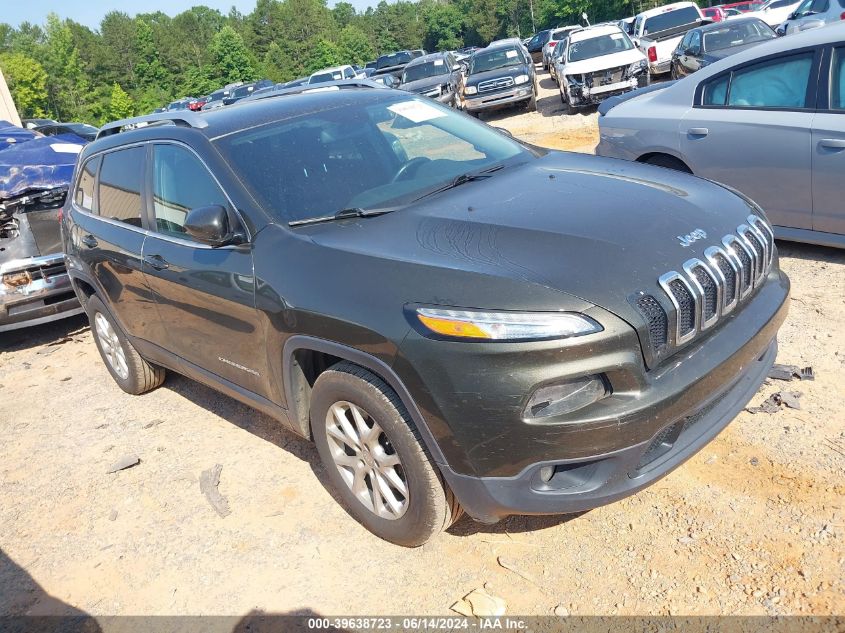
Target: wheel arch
(645,158)
(297,384)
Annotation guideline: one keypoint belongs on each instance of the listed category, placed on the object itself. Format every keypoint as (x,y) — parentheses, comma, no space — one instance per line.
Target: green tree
(324,55)
(27,82)
(120,104)
(343,14)
(444,27)
(354,46)
(67,85)
(230,59)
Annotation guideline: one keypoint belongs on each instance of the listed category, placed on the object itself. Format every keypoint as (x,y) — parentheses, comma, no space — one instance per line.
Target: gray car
(767,122)
(811,14)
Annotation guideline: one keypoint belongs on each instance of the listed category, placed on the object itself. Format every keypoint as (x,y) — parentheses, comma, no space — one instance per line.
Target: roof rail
(182,118)
(320,87)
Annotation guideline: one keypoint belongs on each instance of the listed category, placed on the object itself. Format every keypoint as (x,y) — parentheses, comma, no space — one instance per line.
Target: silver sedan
(768,122)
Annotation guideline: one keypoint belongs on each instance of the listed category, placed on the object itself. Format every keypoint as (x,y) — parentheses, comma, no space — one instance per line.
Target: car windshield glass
(422,71)
(324,77)
(737,35)
(598,46)
(499,58)
(177,105)
(379,153)
(670,20)
(397,59)
(82,128)
(243,91)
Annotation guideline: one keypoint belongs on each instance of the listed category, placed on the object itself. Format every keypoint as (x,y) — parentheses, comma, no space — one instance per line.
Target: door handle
(698,131)
(832,143)
(89,240)
(156,261)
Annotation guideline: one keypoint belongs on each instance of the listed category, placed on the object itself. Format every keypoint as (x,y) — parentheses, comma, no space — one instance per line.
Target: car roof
(715,26)
(594,31)
(426,58)
(330,70)
(511,42)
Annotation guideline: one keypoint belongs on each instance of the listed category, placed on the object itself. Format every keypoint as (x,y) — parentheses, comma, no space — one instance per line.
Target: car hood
(594,228)
(421,85)
(604,62)
(509,71)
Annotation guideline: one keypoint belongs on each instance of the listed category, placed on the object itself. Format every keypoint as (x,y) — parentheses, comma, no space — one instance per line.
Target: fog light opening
(565,397)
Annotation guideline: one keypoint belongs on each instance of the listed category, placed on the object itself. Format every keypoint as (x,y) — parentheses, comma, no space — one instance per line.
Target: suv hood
(622,58)
(596,228)
(508,71)
(421,85)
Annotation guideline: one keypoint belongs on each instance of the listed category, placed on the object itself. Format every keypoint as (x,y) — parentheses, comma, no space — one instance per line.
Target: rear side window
(782,83)
(180,183)
(120,185)
(84,194)
(837,80)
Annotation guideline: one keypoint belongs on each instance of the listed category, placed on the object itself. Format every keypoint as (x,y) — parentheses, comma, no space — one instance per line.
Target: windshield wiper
(343,214)
(457,181)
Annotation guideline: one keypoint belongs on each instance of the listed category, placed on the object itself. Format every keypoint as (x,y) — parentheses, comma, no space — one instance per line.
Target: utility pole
(531,7)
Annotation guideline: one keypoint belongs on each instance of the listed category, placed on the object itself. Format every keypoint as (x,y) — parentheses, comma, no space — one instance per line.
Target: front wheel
(531,106)
(375,457)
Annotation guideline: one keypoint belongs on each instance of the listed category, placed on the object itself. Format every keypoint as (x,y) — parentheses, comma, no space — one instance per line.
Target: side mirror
(210,225)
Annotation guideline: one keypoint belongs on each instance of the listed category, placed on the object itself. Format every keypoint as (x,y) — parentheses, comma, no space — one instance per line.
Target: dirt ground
(751,525)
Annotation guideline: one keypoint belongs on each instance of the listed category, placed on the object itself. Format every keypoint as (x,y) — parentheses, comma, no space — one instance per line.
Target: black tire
(531,106)
(141,376)
(431,506)
(571,110)
(669,162)
(562,97)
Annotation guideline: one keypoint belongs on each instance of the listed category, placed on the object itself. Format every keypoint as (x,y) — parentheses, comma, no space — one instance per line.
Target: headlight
(505,326)
(520,79)
(572,80)
(638,67)
(470,90)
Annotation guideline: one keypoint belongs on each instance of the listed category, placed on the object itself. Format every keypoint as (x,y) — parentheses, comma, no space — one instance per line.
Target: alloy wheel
(110,344)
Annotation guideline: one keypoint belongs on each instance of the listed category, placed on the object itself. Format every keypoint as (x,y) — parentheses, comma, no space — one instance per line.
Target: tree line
(131,65)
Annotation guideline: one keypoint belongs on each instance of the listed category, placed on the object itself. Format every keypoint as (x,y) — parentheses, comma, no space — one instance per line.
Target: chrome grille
(711,288)
(495,84)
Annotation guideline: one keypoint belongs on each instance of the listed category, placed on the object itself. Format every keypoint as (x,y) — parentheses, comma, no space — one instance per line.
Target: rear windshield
(422,71)
(670,20)
(324,77)
(397,59)
(243,91)
(374,154)
(491,60)
(737,35)
(599,46)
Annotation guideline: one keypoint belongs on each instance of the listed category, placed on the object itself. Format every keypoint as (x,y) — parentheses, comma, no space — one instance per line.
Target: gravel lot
(751,525)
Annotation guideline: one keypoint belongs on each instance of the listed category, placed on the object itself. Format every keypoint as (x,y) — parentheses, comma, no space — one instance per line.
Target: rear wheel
(130,371)
(375,458)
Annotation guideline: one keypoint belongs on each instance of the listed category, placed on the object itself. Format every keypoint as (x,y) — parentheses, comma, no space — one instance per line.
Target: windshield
(397,59)
(82,128)
(376,153)
(422,71)
(177,105)
(243,91)
(499,58)
(599,46)
(670,20)
(737,34)
(324,77)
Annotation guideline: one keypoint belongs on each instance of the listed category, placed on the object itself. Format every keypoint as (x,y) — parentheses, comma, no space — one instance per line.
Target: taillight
(842,16)
(552,44)
(652,54)
(61,214)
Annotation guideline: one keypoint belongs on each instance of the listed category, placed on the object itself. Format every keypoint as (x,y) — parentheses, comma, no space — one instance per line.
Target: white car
(768,121)
(658,31)
(599,62)
(337,73)
(773,12)
(556,36)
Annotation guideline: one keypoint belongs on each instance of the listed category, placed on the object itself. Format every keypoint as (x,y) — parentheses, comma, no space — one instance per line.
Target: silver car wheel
(110,344)
(366,460)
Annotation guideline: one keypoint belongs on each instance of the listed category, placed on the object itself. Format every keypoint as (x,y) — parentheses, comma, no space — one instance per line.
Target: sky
(90,12)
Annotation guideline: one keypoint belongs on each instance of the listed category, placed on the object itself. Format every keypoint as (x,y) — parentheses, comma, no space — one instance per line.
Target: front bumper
(496,99)
(587,96)
(35,290)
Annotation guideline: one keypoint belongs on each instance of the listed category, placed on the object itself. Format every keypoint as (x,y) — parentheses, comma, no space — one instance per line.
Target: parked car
(437,76)
(657,32)
(707,44)
(536,43)
(599,62)
(333,74)
(33,123)
(743,7)
(296,83)
(765,121)
(195,105)
(35,173)
(394,63)
(811,14)
(556,36)
(417,53)
(500,75)
(716,14)
(243,91)
(371,64)
(179,104)
(215,100)
(627,25)
(82,130)
(517,357)
(559,56)
(775,12)
(388,80)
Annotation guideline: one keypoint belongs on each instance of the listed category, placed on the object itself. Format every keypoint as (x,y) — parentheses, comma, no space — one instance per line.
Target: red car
(742,7)
(714,13)
(196,104)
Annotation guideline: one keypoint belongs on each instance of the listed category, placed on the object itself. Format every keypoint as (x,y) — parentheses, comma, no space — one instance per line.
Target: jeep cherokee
(458,320)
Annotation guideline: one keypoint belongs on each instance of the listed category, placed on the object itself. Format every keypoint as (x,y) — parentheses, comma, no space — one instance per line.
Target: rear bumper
(660,68)
(35,290)
(583,484)
(494,100)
